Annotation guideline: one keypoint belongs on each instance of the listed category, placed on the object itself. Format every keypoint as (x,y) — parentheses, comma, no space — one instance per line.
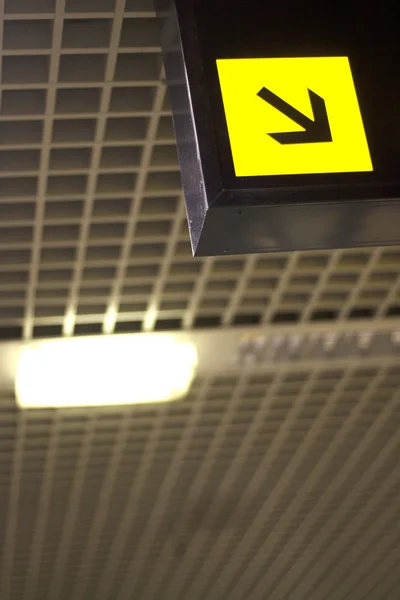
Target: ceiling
(276,481)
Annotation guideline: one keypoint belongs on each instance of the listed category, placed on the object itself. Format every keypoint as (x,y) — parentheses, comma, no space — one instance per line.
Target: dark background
(260,29)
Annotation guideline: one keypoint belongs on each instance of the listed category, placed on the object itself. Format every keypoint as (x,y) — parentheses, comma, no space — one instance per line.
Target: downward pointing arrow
(316,130)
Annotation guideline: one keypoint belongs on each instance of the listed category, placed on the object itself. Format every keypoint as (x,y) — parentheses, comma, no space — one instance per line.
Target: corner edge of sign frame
(201,178)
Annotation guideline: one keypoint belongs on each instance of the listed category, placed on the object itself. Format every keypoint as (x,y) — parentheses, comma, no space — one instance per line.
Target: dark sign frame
(229,215)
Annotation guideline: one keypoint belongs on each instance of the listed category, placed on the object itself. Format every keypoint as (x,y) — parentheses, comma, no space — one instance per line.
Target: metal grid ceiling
(274,483)
(92,224)
(280,482)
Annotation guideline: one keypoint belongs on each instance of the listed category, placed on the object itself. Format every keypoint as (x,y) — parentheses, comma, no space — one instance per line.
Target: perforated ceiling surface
(279,482)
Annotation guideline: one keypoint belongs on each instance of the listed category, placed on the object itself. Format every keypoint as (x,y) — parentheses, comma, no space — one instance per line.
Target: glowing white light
(104,371)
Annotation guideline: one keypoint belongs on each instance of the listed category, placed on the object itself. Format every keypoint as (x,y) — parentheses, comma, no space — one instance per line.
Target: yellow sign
(291,116)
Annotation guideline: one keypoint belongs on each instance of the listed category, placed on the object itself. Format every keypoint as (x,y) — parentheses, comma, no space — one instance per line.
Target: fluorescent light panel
(104,371)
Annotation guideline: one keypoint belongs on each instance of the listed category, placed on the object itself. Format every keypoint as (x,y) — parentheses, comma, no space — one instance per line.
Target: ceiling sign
(290,116)
(288,129)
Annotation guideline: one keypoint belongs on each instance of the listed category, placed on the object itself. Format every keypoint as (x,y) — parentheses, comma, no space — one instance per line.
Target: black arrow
(315,130)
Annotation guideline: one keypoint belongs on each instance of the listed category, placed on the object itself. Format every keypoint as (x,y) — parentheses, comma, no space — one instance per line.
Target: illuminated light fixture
(104,371)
